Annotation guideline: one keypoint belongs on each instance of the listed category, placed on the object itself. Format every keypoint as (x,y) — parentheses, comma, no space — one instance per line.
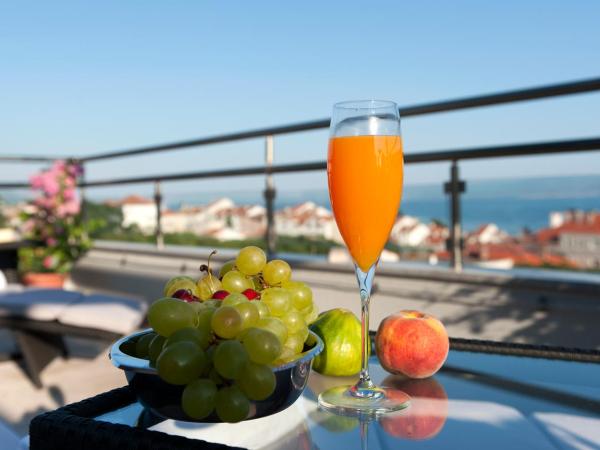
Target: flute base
(341,400)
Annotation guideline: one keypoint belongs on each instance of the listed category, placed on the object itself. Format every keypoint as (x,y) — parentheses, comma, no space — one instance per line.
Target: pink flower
(48,262)
(36,181)
(45,202)
(69,208)
(59,166)
(69,182)
(50,184)
(51,242)
(69,194)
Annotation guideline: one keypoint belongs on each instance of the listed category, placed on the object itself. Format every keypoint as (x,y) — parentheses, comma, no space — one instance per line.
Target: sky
(78,78)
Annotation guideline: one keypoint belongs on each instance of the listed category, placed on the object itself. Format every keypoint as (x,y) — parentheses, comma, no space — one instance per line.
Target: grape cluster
(221,336)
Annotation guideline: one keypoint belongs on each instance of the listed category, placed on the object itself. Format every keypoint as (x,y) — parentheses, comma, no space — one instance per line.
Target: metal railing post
(455,242)
(269,193)
(160,243)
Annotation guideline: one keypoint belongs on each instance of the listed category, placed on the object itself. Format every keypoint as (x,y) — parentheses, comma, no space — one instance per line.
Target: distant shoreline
(511,203)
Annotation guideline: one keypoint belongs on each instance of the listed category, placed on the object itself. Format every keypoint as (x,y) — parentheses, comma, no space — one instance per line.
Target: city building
(138,211)
(307,219)
(574,235)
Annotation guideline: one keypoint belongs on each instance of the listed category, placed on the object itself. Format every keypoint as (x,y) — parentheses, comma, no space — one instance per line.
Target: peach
(427,413)
(411,343)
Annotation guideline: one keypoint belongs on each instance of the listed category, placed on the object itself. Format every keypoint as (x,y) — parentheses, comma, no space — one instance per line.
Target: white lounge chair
(41,318)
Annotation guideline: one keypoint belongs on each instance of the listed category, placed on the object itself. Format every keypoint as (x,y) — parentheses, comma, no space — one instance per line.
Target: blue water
(512,204)
(509,213)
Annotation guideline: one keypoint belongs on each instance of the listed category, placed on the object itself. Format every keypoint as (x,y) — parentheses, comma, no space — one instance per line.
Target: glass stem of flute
(365,387)
(365,379)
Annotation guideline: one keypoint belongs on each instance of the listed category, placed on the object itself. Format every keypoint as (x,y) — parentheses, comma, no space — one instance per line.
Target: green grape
(156,347)
(215,377)
(182,362)
(276,272)
(240,336)
(212,303)
(199,398)
(277,299)
(250,260)
(204,317)
(311,315)
(275,326)
(226,322)
(300,292)
(263,309)
(303,333)
(198,306)
(195,335)
(235,281)
(249,313)
(286,355)
(180,282)
(263,346)
(207,286)
(231,404)
(257,381)
(210,352)
(229,359)
(143,345)
(168,315)
(295,343)
(228,266)
(294,321)
(233,299)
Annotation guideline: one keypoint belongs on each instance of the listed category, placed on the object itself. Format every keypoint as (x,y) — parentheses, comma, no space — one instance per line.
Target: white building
(139,211)
(307,219)
(220,219)
(409,231)
(488,233)
(556,219)
(175,221)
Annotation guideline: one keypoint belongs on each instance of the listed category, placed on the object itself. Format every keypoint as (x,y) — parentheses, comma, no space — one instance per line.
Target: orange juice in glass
(365,174)
(365,186)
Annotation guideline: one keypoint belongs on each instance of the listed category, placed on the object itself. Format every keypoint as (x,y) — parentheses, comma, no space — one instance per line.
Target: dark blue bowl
(164,399)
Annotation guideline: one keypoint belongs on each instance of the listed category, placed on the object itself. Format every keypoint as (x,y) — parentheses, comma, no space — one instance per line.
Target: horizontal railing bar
(576,145)
(498,151)
(305,126)
(260,170)
(574,87)
(428,108)
(14,185)
(28,159)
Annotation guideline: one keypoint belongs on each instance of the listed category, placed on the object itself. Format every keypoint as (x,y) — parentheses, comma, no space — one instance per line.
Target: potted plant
(53,222)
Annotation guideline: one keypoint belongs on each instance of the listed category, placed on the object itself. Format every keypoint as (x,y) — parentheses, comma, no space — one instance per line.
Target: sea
(513,204)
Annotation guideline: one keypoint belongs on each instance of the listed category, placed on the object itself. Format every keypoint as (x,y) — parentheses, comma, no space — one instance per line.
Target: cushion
(37,304)
(105,312)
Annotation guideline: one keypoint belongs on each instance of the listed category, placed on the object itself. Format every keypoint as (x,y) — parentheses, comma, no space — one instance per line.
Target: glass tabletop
(475,401)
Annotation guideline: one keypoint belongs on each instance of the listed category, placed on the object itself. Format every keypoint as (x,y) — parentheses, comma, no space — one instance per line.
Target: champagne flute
(365,169)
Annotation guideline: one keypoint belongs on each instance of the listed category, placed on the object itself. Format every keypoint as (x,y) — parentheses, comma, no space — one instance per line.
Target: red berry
(251,294)
(185,295)
(220,295)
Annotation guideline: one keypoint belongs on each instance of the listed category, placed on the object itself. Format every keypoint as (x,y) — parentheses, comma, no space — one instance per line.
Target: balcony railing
(454,187)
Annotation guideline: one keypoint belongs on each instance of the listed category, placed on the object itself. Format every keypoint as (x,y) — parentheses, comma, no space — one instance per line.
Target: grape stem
(206,267)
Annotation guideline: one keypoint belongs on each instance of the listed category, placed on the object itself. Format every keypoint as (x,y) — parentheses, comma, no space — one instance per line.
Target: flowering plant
(54,220)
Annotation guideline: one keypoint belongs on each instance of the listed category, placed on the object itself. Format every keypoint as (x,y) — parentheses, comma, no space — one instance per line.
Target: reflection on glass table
(476,401)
